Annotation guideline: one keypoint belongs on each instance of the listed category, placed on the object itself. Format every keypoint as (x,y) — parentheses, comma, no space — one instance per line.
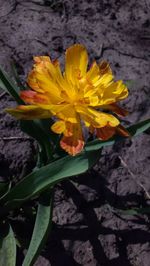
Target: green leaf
(133,130)
(9,86)
(135,211)
(41,229)
(139,128)
(33,129)
(47,176)
(4,188)
(16,77)
(7,246)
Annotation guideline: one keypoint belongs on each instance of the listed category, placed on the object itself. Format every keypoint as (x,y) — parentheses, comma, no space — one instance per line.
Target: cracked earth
(87,230)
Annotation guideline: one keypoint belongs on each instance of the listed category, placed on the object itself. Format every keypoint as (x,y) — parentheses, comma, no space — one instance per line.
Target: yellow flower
(76,97)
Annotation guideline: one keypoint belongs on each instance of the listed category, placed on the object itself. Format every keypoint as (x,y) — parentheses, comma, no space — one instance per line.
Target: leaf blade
(9,86)
(51,174)
(8,248)
(41,229)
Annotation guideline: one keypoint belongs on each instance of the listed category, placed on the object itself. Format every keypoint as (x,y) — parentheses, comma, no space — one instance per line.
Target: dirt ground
(87,230)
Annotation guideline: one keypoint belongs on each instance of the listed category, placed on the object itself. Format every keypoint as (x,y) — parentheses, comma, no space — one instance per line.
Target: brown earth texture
(87,228)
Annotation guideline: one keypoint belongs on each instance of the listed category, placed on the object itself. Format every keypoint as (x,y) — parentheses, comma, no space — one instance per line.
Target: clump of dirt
(87,229)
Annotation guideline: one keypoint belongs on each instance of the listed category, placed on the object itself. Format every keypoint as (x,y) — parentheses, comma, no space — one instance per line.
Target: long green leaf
(41,229)
(7,246)
(133,130)
(135,211)
(33,129)
(51,174)
(4,188)
(16,77)
(9,86)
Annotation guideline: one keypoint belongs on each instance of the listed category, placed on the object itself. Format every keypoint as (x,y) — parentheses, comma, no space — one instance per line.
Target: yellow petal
(104,81)
(96,118)
(32,82)
(93,74)
(64,112)
(116,91)
(46,77)
(76,62)
(58,127)
(28,112)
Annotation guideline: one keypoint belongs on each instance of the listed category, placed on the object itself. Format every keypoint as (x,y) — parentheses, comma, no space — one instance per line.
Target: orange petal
(116,109)
(28,112)
(120,130)
(41,59)
(105,133)
(75,143)
(33,97)
(104,68)
(71,145)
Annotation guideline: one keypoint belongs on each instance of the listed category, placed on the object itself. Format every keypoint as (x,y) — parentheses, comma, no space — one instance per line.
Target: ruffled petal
(116,109)
(105,133)
(67,113)
(76,62)
(93,74)
(104,68)
(75,143)
(115,92)
(96,118)
(46,78)
(59,127)
(29,112)
(33,97)
(122,131)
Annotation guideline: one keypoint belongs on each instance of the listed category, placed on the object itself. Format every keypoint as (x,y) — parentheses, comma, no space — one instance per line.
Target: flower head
(76,97)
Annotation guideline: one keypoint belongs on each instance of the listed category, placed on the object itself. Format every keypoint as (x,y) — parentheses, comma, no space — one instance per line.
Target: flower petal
(118,110)
(93,74)
(96,118)
(33,97)
(76,62)
(105,133)
(59,127)
(28,112)
(74,143)
(108,132)
(64,112)
(120,130)
(46,77)
(115,92)
(104,68)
